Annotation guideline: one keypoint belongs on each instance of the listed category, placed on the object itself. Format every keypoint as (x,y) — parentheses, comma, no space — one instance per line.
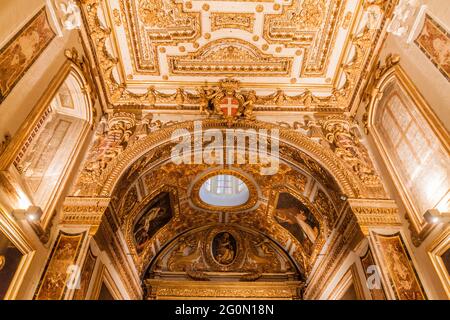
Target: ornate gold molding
(375,213)
(230,56)
(159,289)
(233,20)
(436,250)
(85,211)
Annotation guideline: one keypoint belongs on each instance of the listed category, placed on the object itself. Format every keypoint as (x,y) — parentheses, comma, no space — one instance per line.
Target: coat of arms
(228,102)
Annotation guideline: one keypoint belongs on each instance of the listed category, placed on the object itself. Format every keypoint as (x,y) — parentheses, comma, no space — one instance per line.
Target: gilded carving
(244,21)
(346,144)
(231,57)
(150,24)
(300,26)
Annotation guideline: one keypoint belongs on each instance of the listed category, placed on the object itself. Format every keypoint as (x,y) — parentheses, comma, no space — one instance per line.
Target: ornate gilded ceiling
(306,53)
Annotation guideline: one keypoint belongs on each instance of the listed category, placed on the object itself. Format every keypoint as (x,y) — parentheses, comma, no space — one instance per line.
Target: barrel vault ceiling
(306,54)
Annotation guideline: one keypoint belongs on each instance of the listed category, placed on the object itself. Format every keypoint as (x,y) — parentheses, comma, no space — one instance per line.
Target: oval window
(224,190)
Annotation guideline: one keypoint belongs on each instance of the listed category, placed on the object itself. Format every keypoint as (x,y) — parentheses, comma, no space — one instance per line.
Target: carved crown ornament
(142,45)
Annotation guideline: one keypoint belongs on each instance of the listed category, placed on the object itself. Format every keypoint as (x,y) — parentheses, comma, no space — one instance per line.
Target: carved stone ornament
(70,14)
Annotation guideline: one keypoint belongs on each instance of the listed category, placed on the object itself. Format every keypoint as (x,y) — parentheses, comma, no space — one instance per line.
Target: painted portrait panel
(20,52)
(53,283)
(10,258)
(296,218)
(434,41)
(156,215)
(446,260)
(400,269)
(224,248)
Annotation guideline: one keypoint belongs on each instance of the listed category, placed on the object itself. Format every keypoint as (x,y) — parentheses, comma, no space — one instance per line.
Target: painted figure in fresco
(400,267)
(292,215)
(156,216)
(143,228)
(225,249)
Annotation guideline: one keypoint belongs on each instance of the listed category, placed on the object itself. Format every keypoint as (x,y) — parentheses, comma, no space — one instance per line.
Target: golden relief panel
(235,20)
(152,23)
(308,45)
(310,25)
(229,56)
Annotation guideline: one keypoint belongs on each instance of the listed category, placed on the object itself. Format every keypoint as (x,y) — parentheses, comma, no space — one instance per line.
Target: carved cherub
(248,105)
(71,15)
(206,96)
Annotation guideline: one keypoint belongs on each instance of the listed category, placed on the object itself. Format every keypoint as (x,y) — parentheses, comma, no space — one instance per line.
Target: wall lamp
(434,216)
(33,215)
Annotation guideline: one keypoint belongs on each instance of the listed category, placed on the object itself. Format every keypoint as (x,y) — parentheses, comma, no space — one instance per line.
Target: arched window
(413,151)
(50,150)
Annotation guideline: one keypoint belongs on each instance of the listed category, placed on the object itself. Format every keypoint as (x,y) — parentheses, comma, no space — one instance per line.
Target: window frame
(396,75)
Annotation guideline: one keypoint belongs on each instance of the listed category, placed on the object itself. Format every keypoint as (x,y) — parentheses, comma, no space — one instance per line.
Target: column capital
(375,213)
(84,211)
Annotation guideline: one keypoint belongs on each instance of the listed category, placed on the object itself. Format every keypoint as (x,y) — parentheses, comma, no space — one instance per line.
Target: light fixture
(434,216)
(343,197)
(32,214)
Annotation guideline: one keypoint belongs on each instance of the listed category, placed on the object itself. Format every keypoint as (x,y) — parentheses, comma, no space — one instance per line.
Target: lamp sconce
(33,215)
(434,216)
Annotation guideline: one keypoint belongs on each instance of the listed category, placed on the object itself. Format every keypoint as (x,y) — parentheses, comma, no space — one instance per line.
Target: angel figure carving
(71,15)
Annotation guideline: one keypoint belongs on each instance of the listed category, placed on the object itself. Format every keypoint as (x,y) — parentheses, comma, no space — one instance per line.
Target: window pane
(414,149)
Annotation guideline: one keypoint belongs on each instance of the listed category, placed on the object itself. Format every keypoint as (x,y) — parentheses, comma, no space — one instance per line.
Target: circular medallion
(223,249)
